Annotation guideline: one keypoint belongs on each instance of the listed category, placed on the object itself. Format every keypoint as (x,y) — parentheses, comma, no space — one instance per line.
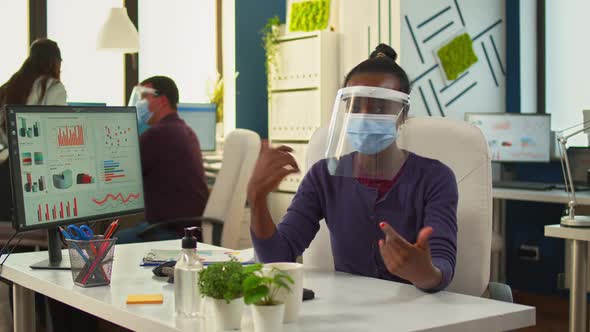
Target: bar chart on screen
(28,129)
(70,136)
(112,171)
(57,210)
(34,183)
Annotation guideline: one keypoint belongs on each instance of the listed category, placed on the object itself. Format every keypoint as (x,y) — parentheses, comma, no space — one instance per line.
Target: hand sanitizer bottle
(187,297)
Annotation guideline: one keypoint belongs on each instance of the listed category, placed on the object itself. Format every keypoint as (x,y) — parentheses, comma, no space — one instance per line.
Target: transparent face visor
(363,132)
(139,92)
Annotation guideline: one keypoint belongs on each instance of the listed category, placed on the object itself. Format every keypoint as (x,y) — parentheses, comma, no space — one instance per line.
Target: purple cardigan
(424,195)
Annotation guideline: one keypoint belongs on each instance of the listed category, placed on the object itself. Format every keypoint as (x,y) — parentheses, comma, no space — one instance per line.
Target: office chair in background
(222,218)
(463,148)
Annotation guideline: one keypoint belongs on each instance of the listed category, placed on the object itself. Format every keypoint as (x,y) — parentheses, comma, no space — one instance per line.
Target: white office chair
(222,218)
(241,148)
(463,148)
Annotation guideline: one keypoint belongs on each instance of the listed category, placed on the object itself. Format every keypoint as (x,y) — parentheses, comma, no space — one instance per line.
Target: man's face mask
(138,99)
(143,115)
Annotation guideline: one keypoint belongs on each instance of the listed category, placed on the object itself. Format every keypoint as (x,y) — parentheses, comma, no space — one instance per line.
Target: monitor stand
(55,261)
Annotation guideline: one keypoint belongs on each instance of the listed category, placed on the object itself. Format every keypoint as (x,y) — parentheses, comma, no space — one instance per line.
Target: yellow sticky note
(145,299)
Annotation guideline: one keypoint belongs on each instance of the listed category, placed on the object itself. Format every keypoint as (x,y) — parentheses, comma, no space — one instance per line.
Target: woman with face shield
(391,213)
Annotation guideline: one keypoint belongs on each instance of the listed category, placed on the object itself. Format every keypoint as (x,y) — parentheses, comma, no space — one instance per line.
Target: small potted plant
(261,290)
(222,283)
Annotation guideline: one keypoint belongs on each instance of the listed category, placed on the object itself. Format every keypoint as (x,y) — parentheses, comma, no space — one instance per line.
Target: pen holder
(91,261)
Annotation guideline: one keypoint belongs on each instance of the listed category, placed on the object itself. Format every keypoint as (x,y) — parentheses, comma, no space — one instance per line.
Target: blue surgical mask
(371,133)
(143,115)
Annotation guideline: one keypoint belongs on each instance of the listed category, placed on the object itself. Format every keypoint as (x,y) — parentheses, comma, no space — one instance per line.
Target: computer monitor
(202,118)
(515,137)
(73,164)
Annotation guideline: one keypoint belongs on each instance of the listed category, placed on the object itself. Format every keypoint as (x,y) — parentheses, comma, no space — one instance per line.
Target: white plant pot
(268,318)
(292,298)
(228,316)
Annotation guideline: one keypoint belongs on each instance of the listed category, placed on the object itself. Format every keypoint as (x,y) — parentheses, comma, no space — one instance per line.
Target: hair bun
(384,50)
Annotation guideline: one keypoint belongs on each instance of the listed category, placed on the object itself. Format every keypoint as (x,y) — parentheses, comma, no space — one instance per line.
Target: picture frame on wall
(311,15)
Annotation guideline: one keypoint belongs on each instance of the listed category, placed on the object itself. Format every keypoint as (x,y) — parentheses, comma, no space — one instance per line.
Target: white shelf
(303,88)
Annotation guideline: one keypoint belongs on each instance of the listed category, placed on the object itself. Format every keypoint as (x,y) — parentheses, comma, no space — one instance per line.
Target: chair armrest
(150,232)
(217,225)
(500,292)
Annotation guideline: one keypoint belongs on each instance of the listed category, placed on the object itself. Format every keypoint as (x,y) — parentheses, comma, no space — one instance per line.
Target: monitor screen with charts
(515,137)
(202,118)
(73,164)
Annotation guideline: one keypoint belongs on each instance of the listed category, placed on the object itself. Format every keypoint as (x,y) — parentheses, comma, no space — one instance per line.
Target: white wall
(182,48)
(228,31)
(359,27)
(14,18)
(483,88)
(88,75)
(358,17)
(568,65)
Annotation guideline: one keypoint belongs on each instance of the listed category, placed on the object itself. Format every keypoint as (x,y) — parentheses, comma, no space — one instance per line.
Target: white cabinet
(302,91)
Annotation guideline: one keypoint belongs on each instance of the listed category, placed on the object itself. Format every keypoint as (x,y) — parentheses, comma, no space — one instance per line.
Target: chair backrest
(227,200)
(463,148)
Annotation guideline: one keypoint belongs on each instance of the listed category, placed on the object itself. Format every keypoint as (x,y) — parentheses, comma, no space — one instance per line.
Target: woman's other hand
(409,261)
(272,166)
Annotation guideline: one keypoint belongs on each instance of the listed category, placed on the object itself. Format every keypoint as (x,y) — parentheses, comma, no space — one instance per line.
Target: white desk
(547,196)
(343,302)
(500,195)
(578,268)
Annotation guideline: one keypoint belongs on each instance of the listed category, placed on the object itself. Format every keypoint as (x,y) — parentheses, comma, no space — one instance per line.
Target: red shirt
(382,186)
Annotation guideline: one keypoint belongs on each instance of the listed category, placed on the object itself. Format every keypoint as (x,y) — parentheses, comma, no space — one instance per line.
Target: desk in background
(500,196)
(578,238)
(547,196)
(343,302)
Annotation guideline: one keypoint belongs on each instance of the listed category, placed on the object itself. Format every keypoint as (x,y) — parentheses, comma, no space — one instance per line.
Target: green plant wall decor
(309,15)
(457,56)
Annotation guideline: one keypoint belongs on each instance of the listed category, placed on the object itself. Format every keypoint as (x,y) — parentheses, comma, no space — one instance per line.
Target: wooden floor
(552,311)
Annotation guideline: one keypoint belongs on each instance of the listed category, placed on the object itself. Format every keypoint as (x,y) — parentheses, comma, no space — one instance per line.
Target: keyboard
(577,187)
(526,185)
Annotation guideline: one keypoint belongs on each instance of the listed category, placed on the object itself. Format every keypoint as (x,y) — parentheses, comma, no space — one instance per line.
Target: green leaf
(256,295)
(283,276)
(252,268)
(251,282)
(281,284)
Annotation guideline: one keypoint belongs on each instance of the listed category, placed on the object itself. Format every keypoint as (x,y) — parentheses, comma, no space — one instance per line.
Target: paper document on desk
(158,256)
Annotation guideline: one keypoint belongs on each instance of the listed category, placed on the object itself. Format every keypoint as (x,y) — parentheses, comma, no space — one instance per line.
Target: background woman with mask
(37,82)
(391,213)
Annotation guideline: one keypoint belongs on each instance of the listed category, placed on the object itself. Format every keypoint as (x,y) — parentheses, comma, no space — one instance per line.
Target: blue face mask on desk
(371,133)
(143,115)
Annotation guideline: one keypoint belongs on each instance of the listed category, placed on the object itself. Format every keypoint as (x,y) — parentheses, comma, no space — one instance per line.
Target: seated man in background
(173,175)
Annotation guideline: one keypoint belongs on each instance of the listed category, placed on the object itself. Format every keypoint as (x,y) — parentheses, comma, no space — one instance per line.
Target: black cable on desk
(8,244)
